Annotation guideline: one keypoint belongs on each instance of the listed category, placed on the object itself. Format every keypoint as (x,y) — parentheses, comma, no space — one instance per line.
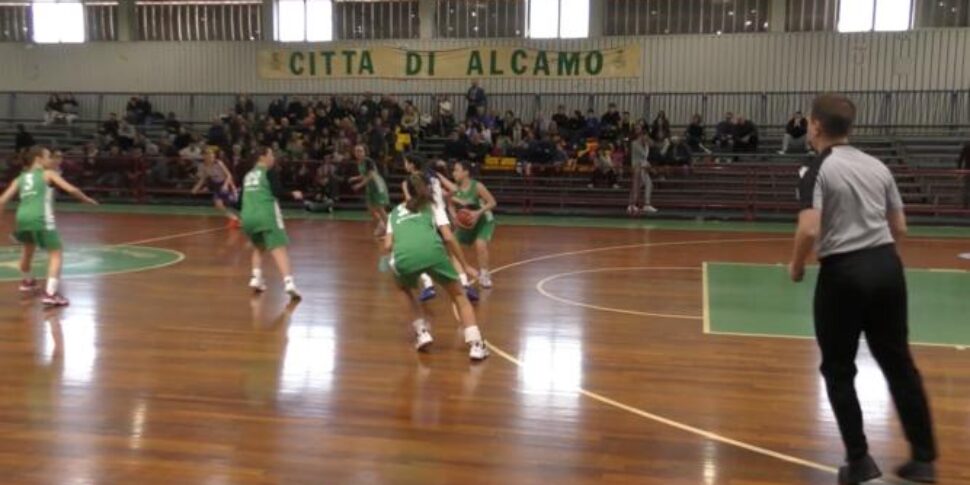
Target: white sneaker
(650,209)
(478,351)
(485,279)
(423,340)
(293,292)
(258,285)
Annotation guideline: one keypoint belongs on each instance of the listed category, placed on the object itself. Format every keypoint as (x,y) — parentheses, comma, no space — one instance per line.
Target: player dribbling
(415,246)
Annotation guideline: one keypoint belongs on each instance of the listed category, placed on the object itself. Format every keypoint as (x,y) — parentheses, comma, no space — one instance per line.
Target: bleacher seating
(752,185)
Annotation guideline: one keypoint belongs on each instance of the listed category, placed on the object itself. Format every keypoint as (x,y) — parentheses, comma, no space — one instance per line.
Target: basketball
(466,219)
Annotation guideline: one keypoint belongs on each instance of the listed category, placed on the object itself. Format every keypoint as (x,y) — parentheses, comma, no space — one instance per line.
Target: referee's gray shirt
(854,192)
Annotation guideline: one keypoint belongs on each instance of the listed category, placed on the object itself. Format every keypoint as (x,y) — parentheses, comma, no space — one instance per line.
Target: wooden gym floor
(177,375)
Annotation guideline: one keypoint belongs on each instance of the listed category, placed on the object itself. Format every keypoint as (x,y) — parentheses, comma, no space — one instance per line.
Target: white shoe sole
(423,345)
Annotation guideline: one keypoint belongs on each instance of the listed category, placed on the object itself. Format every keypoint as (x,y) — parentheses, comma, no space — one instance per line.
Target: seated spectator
(678,152)
(53,110)
(795,132)
(411,120)
(561,119)
(192,153)
(477,149)
(137,111)
(592,127)
(183,139)
(694,135)
(322,193)
(172,125)
(23,140)
(660,128)
(610,123)
(110,127)
(217,135)
(126,136)
(604,172)
(277,109)
(724,132)
(745,136)
(296,111)
(456,148)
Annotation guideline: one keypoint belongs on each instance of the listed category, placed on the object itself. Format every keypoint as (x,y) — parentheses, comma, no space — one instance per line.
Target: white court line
(169,237)
(540,287)
(647,415)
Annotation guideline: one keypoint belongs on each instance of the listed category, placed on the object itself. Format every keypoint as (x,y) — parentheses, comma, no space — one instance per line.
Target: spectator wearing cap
(694,135)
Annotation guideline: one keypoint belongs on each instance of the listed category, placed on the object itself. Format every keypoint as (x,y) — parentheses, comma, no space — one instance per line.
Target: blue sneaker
(471,293)
(428,294)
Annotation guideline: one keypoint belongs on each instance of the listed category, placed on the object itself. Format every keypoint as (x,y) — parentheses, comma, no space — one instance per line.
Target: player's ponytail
(420,193)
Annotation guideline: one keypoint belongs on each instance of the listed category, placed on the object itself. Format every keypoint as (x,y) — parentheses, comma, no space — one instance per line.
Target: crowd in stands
(163,151)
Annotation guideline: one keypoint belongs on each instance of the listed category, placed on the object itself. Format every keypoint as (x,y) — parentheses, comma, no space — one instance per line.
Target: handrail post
(191,108)
(13,107)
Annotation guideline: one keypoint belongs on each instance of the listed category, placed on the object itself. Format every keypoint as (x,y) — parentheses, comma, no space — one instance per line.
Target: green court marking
(519,220)
(760,300)
(91,261)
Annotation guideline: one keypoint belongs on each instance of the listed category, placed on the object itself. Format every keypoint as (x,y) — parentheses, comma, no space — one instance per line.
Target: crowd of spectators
(326,129)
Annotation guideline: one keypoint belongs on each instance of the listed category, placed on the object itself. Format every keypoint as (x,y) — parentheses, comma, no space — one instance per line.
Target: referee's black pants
(865,292)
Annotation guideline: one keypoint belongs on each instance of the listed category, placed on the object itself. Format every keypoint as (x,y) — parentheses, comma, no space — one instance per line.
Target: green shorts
(483,230)
(441,271)
(377,198)
(46,240)
(269,239)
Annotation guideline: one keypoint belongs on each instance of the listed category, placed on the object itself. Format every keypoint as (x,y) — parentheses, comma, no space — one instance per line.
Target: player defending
(439,208)
(415,246)
(35,220)
(262,221)
(214,175)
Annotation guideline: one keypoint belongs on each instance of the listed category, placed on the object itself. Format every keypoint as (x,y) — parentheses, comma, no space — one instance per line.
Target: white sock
(426,281)
(419,325)
(464,279)
(483,271)
(52,284)
(288,281)
(473,334)
(258,274)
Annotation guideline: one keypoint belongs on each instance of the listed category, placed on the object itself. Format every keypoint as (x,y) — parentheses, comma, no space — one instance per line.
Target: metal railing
(878,111)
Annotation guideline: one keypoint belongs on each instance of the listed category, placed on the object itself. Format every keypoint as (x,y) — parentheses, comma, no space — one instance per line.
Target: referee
(852,213)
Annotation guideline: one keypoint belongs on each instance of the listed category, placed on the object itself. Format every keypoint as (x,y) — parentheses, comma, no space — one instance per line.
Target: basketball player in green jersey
(468,193)
(262,221)
(375,189)
(415,246)
(35,220)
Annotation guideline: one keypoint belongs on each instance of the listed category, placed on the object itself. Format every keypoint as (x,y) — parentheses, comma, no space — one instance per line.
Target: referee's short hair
(835,113)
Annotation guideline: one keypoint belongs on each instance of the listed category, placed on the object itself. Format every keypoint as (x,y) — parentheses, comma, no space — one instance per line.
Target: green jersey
(469,198)
(376,185)
(260,210)
(417,244)
(36,210)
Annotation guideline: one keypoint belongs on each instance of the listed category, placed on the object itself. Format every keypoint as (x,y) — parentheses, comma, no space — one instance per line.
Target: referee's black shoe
(918,471)
(858,471)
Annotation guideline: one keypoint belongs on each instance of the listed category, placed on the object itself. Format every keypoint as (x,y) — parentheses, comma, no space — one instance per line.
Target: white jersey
(438,204)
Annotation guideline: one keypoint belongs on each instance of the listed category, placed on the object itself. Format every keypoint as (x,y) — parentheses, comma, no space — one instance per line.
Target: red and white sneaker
(28,285)
(55,300)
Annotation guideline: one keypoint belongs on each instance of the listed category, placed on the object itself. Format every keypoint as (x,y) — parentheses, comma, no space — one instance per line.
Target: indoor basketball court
(673,352)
